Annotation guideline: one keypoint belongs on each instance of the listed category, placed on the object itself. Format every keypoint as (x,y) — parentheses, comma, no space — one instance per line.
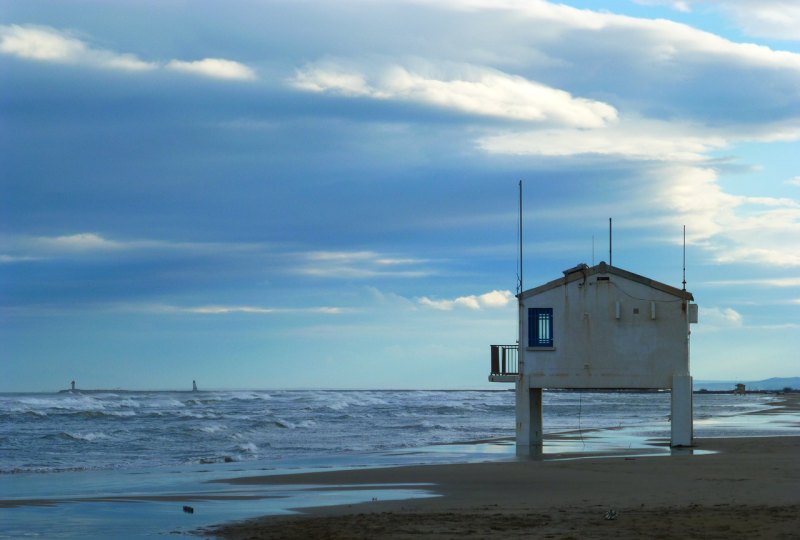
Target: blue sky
(324,194)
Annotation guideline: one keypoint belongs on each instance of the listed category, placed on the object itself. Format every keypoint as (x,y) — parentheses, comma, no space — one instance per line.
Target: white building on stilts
(599,327)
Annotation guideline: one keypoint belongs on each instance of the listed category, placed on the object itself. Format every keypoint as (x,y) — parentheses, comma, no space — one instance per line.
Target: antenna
(610,259)
(684,257)
(592,250)
(520,237)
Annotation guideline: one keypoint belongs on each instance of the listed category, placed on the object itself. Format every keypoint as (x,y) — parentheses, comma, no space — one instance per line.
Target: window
(540,327)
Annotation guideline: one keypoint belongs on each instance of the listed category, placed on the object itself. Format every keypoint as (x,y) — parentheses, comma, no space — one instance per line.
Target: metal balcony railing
(505,360)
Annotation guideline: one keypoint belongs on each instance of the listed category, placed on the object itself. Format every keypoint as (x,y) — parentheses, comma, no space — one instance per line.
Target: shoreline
(405,483)
(744,487)
(747,488)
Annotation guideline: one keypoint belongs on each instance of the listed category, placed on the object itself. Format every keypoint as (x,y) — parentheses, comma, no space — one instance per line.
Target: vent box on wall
(693,313)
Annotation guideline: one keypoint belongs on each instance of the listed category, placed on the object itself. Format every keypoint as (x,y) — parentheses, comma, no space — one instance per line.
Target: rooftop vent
(578,268)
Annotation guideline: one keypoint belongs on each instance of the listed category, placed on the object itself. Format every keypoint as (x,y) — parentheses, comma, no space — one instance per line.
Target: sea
(123,464)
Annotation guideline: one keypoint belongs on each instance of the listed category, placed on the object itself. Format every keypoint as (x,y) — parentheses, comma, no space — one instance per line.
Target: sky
(323,194)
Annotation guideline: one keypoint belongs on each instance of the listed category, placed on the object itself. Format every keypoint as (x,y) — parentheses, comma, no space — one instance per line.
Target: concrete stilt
(529,417)
(682,416)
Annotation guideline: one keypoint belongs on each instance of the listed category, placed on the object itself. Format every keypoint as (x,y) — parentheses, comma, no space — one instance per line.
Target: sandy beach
(722,488)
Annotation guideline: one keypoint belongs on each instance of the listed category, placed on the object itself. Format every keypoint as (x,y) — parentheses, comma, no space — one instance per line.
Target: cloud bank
(472,90)
(490,300)
(46,44)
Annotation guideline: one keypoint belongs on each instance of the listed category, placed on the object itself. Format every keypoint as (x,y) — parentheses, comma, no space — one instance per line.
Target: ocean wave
(156,428)
(66,414)
(242,396)
(75,403)
(196,415)
(295,425)
(71,436)
(214,428)
(248,447)
(59,406)
(164,403)
(42,470)
(21,412)
(203,401)
(424,424)
(121,414)
(337,401)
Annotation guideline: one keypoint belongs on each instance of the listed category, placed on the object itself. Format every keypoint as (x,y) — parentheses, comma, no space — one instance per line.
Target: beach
(393,464)
(738,487)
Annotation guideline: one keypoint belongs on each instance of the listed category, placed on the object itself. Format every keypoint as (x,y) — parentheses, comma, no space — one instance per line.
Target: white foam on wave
(71,403)
(248,447)
(280,422)
(179,427)
(120,414)
(340,402)
(198,415)
(245,396)
(87,436)
(165,403)
(127,403)
(213,428)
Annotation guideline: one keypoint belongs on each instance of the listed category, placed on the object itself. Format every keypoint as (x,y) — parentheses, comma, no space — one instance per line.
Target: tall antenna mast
(684,257)
(520,237)
(610,259)
(592,250)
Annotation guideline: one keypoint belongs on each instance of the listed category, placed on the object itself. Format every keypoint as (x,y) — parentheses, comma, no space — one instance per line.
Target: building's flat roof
(581,272)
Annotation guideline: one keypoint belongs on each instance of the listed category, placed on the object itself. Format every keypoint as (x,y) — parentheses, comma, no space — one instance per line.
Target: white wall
(595,349)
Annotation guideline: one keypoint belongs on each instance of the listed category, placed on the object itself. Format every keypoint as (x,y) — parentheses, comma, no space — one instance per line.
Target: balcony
(505,363)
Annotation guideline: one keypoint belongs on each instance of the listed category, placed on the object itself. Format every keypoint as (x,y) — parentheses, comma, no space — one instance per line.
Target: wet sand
(747,488)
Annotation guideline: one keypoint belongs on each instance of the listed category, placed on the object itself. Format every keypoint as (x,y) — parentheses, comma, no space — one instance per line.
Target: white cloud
(770,256)
(794,181)
(677,5)
(496,298)
(218,68)
(493,299)
(75,242)
(733,228)
(227,310)
(469,89)
(681,188)
(767,18)
(634,139)
(10,259)
(681,6)
(47,44)
(715,317)
(699,202)
(779,19)
(332,78)
(651,36)
(359,265)
(27,248)
(760,282)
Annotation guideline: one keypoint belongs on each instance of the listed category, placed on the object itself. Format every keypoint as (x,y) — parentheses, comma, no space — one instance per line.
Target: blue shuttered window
(540,327)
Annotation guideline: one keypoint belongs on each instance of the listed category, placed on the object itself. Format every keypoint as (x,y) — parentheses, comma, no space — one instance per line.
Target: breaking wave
(56,432)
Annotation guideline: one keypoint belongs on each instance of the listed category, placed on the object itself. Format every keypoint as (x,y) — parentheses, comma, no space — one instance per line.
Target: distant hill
(775,383)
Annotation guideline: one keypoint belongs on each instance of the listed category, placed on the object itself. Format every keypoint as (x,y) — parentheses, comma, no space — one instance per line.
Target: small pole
(610,259)
(520,236)
(684,257)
